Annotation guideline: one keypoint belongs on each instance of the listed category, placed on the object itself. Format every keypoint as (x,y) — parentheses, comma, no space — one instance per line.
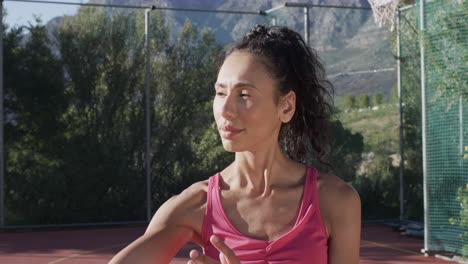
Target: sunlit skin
(244,106)
(261,190)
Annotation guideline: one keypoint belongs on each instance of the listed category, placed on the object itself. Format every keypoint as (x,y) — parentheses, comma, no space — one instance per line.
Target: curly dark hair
(295,67)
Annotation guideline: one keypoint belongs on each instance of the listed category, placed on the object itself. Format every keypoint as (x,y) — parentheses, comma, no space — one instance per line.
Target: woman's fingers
(226,254)
(198,258)
(223,259)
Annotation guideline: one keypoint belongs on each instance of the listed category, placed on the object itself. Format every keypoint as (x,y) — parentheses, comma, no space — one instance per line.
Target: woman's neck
(257,172)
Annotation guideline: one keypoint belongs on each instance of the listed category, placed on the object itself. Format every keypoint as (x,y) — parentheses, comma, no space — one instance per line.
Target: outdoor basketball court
(91,246)
(432,65)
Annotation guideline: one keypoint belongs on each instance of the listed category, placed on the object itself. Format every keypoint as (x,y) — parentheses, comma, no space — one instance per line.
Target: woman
(271,108)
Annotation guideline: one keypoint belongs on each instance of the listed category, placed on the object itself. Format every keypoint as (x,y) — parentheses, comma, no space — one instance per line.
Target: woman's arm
(176,222)
(342,214)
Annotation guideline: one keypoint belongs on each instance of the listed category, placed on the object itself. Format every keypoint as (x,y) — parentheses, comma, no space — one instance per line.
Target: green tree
(83,131)
(363,101)
(34,105)
(345,152)
(378,185)
(394,94)
(103,55)
(187,147)
(349,102)
(377,99)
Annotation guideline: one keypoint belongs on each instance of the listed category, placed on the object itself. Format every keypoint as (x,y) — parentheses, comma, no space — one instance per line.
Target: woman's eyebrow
(236,85)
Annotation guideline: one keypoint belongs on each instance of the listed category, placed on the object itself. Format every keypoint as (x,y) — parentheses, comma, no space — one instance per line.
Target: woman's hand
(226,255)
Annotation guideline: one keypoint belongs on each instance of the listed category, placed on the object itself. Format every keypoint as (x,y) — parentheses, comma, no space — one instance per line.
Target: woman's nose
(228,109)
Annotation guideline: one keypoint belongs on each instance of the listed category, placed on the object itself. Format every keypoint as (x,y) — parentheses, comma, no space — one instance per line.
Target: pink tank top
(306,242)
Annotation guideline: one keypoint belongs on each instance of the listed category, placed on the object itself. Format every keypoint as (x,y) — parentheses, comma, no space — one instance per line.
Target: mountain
(352,47)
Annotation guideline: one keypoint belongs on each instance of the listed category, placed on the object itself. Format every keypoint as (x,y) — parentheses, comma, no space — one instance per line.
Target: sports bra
(306,242)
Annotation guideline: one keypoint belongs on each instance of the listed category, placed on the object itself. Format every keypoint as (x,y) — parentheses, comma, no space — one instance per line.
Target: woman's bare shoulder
(334,187)
(193,196)
(185,209)
(338,200)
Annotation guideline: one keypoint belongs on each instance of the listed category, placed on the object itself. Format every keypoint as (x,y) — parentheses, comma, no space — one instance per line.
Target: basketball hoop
(384,11)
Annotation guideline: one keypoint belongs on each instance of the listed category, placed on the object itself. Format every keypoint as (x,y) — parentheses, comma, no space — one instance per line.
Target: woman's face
(246,114)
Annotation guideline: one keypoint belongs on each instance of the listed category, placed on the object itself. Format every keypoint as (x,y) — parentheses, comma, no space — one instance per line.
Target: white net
(384,12)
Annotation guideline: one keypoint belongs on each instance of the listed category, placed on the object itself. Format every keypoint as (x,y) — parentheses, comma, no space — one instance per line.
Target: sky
(20,13)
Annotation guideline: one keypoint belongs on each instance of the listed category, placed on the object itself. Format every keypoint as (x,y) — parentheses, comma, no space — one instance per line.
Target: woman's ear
(287,106)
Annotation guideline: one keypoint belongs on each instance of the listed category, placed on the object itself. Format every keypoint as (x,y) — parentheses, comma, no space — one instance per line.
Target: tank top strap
(312,185)
(208,217)
(309,196)
(213,185)
(314,200)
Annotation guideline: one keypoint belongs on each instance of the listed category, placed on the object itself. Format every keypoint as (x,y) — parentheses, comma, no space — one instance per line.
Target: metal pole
(147,117)
(288,4)
(460,121)
(306,25)
(423,122)
(2,170)
(400,114)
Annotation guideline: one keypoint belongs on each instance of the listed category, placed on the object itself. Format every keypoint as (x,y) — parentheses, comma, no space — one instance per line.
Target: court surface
(91,246)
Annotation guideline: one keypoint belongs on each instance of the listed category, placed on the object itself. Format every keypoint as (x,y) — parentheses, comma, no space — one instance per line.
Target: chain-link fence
(436,127)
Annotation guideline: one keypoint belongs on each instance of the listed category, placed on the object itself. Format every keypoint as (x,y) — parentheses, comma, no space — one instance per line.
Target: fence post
(423,124)
(148,154)
(306,25)
(2,164)
(400,115)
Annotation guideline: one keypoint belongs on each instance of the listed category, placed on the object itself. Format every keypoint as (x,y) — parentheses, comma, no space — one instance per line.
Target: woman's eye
(219,94)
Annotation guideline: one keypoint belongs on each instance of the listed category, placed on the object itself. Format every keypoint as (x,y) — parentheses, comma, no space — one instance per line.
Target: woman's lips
(229,132)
